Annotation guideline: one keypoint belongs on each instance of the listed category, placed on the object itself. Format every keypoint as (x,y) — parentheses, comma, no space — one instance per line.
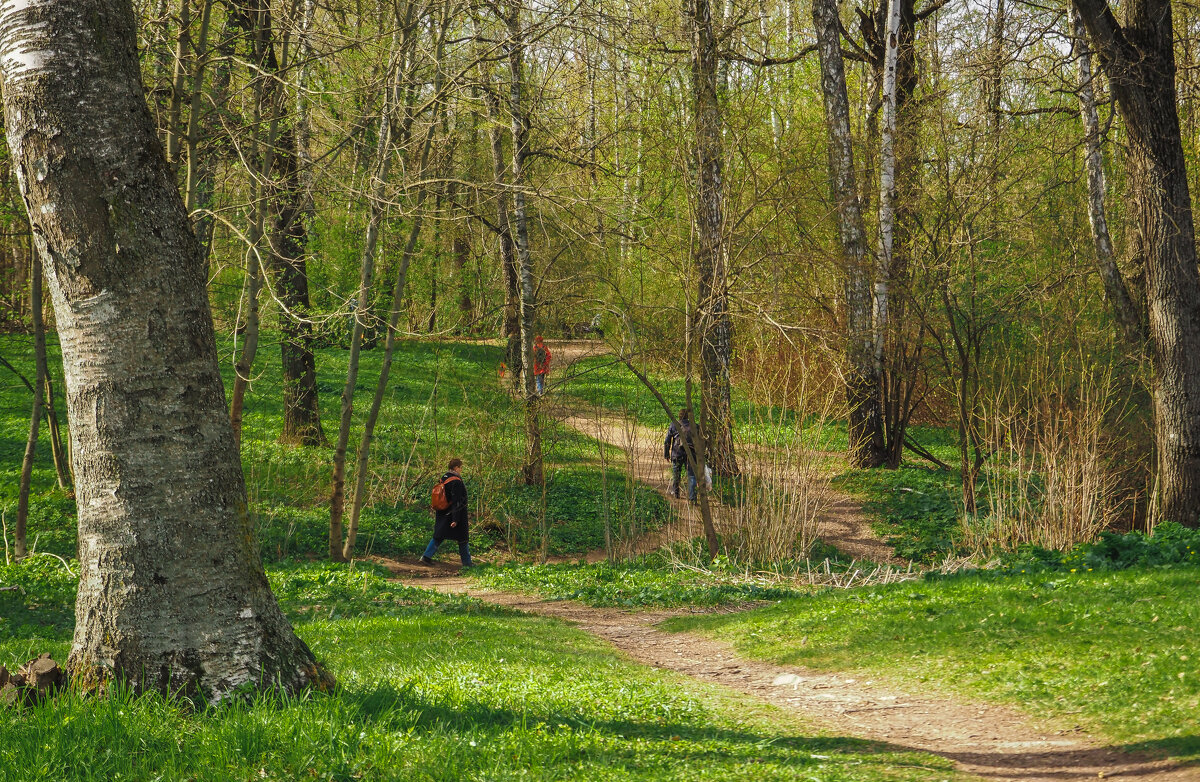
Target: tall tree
(862,378)
(514,46)
(172,593)
(1139,60)
(1128,314)
(291,196)
(713,316)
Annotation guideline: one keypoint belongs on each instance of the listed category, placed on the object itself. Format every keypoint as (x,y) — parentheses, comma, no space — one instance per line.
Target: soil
(990,741)
(842,524)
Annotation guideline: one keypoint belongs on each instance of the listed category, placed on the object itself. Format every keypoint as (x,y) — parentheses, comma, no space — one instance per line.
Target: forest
(815,385)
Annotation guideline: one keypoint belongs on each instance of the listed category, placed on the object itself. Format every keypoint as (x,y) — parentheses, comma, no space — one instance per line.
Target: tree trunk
(515,46)
(511,327)
(263,55)
(172,593)
(887,179)
(183,45)
(889,35)
(35,417)
(292,198)
(362,301)
(62,459)
(1139,59)
(410,248)
(716,326)
(1115,289)
(862,381)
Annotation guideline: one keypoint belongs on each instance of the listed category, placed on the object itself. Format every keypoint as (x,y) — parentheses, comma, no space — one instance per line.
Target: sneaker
(426,560)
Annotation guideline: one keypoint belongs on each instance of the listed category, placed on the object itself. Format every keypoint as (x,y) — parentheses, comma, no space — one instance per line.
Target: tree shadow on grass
(697,742)
(1184,749)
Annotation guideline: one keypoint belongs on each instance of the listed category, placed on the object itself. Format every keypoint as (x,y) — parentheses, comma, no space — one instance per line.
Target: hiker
(679,449)
(541,363)
(450,514)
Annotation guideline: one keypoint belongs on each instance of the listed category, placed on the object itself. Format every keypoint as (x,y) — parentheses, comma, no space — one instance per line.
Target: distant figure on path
(541,363)
(450,514)
(679,449)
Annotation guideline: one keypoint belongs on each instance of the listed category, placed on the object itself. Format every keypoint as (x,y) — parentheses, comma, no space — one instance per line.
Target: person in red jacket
(541,363)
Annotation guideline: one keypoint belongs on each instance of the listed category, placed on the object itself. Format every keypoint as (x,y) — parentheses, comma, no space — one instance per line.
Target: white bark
(887,181)
(172,594)
(1093,160)
(862,381)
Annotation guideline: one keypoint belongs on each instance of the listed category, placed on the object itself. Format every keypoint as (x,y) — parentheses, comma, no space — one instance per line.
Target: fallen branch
(920,450)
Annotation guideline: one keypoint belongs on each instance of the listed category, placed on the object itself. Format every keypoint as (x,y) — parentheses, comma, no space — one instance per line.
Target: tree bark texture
(716,326)
(1115,289)
(511,327)
(172,594)
(291,197)
(515,46)
(1139,59)
(862,380)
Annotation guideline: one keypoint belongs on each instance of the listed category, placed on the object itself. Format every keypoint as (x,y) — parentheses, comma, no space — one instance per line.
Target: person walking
(541,363)
(679,449)
(450,514)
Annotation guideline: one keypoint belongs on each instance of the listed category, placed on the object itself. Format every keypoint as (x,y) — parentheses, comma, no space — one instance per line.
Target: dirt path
(842,524)
(990,741)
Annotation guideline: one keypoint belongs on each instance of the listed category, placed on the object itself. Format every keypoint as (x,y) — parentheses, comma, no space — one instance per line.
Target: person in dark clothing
(679,449)
(451,523)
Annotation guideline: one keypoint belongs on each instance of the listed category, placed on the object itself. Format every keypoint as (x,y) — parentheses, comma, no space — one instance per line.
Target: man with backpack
(449,503)
(681,451)
(541,363)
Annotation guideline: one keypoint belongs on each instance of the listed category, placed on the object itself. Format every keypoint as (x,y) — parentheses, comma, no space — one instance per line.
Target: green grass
(644,582)
(443,400)
(914,508)
(430,688)
(1113,652)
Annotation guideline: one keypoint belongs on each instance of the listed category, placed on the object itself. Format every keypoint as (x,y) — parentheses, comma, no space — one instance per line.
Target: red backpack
(439,500)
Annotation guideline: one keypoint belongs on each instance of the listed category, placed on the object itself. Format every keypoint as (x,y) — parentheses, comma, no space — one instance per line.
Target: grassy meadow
(436,687)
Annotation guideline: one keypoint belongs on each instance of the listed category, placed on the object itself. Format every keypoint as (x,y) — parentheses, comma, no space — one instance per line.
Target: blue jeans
(677,469)
(464,552)
(540,382)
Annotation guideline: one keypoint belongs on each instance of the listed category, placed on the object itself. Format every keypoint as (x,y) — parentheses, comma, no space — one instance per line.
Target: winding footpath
(986,740)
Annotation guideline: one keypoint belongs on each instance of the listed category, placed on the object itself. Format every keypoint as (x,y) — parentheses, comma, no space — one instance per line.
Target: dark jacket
(678,444)
(456,494)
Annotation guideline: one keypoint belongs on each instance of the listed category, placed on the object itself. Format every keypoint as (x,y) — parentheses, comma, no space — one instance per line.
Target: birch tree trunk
(515,46)
(862,380)
(1127,313)
(172,594)
(716,327)
(1139,60)
(887,180)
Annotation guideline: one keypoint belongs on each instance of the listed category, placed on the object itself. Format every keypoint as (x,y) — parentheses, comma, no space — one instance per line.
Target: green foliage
(648,581)
(433,687)
(1113,651)
(443,400)
(576,504)
(1170,545)
(37,601)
